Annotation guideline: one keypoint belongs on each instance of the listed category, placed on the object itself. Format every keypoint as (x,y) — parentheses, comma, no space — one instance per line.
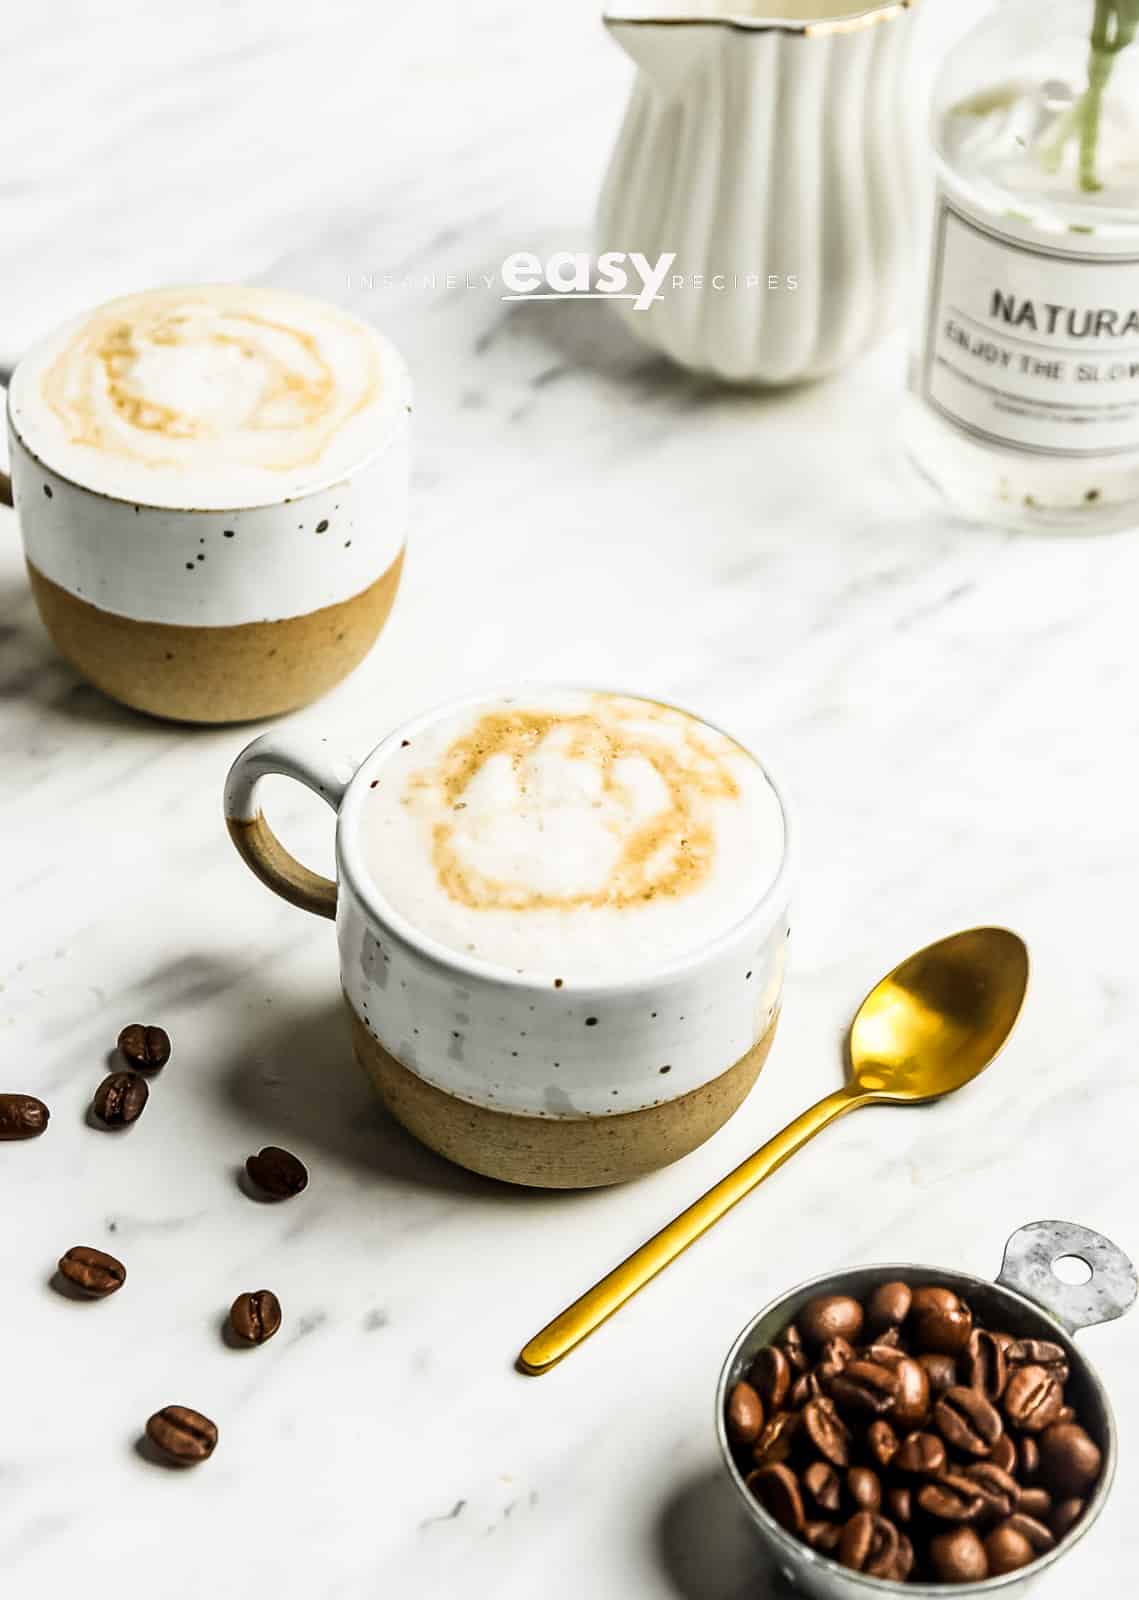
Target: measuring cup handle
(1028,1269)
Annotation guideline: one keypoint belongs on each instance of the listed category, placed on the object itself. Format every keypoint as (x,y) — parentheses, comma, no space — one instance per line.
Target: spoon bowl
(939,1018)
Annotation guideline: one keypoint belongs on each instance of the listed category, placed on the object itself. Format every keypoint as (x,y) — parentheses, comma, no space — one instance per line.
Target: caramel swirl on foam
(651,800)
(185,377)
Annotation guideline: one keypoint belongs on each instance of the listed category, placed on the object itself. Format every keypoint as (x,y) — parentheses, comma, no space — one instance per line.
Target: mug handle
(310,762)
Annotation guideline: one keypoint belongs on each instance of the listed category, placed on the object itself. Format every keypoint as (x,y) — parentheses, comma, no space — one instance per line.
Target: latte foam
(573,834)
(208,398)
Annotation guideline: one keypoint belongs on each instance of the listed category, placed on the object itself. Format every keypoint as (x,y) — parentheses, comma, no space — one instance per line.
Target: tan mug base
(556,1152)
(230,674)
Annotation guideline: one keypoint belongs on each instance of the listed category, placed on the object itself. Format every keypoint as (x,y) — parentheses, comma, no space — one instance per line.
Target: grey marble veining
(953,711)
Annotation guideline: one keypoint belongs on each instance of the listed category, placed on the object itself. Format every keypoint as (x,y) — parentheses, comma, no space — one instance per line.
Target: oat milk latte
(562,917)
(212,489)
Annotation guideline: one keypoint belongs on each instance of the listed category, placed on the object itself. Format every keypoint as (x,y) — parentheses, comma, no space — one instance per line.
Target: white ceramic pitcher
(769,147)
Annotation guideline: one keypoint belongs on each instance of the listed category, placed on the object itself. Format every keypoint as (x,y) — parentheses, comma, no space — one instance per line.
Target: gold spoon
(929,1027)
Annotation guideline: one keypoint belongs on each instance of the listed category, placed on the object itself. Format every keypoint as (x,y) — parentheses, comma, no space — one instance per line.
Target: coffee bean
(958,1557)
(944,1330)
(833,1356)
(983,1366)
(865,1388)
(999,1491)
(864,1488)
(826,1431)
(1065,1516)
(255,1317)
(951,1498)
(790,1341)
(1003,1454)
(92,1271)
(1070,1460)
(930,1297)
(823,1485)
(888,1307)
(121,1099)
(1032,1399)
(803,1389)
(966,1420)
(777,1491)
(183,1435)
(882,1442)
(911,1402)
(277,1172)
(830,1316)
(1028,1455)
(143,1047)
(941,1370)
(900,1503)
(770,1377)
(1039,1353)
(904,1562)
(774,1444)
(1007,1550)
(1038,1535)
(22,1116)
(1035,1503)
(823,1536)
(922,1454)
(1066,1414)
(869,1544)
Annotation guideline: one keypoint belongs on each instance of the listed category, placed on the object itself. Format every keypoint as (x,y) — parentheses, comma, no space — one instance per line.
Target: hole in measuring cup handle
(1028,1269)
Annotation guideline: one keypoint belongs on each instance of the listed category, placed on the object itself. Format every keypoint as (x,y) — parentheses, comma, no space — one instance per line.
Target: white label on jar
(1031,345)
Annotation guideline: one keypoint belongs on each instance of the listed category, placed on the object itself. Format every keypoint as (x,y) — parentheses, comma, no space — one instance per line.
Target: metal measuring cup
(1028,1300)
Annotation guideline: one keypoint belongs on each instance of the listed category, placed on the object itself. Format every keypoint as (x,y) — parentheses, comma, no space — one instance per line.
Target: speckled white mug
(496,1070)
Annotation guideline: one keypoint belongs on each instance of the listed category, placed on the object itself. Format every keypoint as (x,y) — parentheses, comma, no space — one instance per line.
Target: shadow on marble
(292,1075)
(706,1548)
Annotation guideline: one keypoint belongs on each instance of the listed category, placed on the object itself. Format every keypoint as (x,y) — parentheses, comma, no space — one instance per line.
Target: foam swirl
(218,394)
(572,830)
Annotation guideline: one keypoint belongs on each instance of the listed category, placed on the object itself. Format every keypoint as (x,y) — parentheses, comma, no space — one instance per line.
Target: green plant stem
(1114,27)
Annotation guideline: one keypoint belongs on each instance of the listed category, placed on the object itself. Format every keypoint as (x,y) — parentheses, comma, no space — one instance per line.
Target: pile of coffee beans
(901,1438)
(179,1435)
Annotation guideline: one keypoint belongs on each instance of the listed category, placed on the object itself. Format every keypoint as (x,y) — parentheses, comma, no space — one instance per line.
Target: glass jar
(1024,386)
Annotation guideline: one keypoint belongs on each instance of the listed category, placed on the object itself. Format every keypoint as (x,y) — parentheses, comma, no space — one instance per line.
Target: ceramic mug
(494,1069)
(209,613)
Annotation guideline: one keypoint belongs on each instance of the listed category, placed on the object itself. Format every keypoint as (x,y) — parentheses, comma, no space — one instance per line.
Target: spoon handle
(579,1320)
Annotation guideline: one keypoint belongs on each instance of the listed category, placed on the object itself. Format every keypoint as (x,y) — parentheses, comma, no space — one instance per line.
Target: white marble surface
(954,710)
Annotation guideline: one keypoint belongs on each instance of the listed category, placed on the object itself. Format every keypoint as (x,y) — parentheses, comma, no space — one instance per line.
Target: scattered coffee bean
(958,1557)
(1070,1460)
(143,1047)
(182,1435)
(908,1413)
(121,1099)
(22,1116)
(745,1408)
(255,1317)
(277,1172)
(92,1271)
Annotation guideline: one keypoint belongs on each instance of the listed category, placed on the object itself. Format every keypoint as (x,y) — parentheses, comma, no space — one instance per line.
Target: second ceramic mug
(559,1084)
(173,584)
